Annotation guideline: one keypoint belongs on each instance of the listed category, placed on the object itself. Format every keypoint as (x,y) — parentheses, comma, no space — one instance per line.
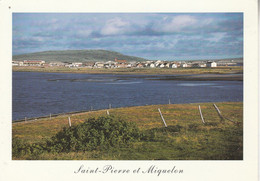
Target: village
(116,63)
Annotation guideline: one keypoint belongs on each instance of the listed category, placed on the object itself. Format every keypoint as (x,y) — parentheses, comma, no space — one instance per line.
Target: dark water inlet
(39,94)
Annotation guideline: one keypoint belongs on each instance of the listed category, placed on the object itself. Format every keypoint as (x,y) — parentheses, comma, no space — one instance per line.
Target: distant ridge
(77,56)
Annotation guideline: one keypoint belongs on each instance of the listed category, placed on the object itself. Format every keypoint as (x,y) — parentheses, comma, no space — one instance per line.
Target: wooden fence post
(162,117)
(219,113)
(69,122)
(201,116)
(107,112)
(222,117)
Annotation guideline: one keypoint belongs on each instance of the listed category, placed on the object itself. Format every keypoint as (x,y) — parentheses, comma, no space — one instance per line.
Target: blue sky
(165,36)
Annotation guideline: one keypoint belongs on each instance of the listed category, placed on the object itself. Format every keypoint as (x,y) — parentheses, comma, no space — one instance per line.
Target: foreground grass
(185,138)
(146,71)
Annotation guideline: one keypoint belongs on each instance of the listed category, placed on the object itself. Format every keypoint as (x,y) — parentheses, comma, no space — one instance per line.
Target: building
(89,64)
(120,61)
(198,65)
(33,62)
(167,64)
(139,65)
(183,65)
(99,65)
(77,64)
(161,65)
(17,63)
(174,66)
(211,64)
(152,65)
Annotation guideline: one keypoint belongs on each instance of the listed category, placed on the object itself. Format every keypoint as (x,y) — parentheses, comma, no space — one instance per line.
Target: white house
(99,65)
(211,64)
(77,64)
(184,65)
(152,65)
(174,66)
(33,62)
(167,65)
(161,65)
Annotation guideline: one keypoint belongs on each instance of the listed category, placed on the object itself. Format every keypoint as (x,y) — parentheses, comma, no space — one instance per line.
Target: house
(161,65)
(77,64)
(58,64)
(211,64)
(167,65)
(129,65)
(157,63)
(17,63)
(173,65)
(33,62)
(99,65)
(203,65)
(183,65)
(122,65)
(139,65)
(152,65)
(120,61)
(195,65)
(88,64)
(110,64)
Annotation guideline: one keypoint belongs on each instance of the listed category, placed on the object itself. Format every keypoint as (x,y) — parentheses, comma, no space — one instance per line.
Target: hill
(76,56)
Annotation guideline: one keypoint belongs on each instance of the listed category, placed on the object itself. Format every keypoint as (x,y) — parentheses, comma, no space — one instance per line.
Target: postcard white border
(193,170)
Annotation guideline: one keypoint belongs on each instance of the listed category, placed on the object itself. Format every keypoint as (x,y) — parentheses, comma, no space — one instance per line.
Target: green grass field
(185,138)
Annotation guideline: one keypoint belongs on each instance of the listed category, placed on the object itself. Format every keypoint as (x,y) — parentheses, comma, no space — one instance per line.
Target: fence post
(201,115)
(169,101)
(222,117)
(162,117)
(107,112)
(69,122)
(219,113)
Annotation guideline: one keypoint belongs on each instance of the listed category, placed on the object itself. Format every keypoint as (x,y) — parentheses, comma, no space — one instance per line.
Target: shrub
(93,134)
(20,148)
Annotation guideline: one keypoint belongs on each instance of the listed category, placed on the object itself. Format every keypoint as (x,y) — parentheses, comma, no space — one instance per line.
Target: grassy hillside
(76,56)
(185,138)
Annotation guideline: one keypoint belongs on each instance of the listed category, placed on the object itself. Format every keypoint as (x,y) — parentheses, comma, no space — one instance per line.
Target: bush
(93,134)
(20,148)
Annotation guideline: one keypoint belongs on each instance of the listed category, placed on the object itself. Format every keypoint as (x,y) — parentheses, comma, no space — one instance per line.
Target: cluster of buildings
(119,64)
(28,63)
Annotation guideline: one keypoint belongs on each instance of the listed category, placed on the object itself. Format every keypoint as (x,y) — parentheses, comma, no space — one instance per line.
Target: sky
(155,36)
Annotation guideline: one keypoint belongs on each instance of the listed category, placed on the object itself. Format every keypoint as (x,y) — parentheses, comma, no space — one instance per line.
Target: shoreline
(191,74)
(136,71)
(208,77)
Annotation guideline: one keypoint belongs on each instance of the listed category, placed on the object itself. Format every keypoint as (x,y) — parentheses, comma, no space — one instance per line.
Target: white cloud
(177,23)
(115,26)
(84,33)
(216,37)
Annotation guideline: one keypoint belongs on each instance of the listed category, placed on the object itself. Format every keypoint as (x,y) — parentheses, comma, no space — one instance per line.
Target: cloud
(142,34)
(84,33)
(115,26)
(216,37)
(178,23)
